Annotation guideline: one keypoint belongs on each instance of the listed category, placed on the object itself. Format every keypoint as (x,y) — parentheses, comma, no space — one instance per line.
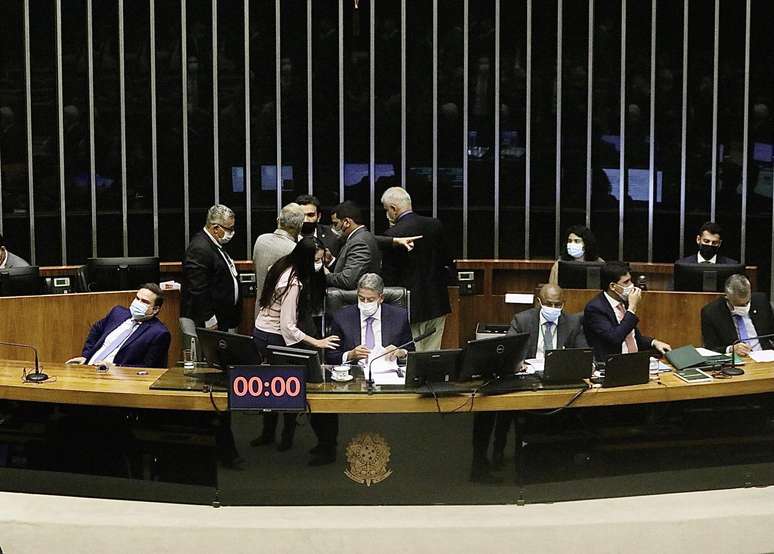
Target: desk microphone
(733,370)
(421,337)
(38,376)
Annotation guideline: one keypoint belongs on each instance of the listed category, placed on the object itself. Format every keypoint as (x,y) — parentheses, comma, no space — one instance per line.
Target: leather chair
(335,299)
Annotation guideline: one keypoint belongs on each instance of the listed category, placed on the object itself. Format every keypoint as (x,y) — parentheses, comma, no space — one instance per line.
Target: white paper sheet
(763,356)
(657,366)
(533,365)
(384,371)
(706,352)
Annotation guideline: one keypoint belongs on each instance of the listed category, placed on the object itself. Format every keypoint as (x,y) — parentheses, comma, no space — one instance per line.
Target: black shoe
(498,460)
(286,443)
(262,440)
(323,458)
(484,477)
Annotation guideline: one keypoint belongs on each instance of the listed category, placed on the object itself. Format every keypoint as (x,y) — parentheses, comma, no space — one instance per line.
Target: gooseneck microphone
(733,369)
(421,337)
(36,377)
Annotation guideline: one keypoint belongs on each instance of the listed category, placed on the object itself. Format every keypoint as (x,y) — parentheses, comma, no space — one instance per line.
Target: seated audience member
(8,259)
(292,293)
(581,246)
(739,315)
(131,336)
(709,241)
(610,318)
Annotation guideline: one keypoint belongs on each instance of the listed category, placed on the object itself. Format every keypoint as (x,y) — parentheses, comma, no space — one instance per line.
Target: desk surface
(122,387)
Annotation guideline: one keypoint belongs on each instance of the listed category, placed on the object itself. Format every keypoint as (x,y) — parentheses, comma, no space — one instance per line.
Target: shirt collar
(213,239)
(404,214)
(284,234)
(355,231)
(613,302)
(712,260)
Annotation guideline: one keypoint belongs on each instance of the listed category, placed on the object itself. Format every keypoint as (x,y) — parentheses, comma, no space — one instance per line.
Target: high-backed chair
(335,299)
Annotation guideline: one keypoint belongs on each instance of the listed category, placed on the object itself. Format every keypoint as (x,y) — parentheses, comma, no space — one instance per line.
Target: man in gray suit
(360,252)
(7,259)
(270,247)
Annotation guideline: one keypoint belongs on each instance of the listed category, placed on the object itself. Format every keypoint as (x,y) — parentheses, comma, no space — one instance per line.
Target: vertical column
(496,143)
(589,107)
(435,108)
(746,129)
(248,149)
(683,129)
(528,133)
(715,46)
(341,101)
(622,154)
(215,112)
(60,130)
(371,109)
(92,157)
(154,132)
(184,78)
(465,106)
(309,103)
(278,95)
(122,106)
(403,93)
(558,161)
(28,94)
(651,149)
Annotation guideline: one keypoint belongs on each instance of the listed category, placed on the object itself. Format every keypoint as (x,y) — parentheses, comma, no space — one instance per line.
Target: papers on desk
(657,366)
(384,371)
(707,352)
(533,365)
(763,356)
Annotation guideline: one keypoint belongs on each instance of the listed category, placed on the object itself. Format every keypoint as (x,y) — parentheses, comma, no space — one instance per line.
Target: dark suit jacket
(603,332)
(346,325)
(692,259)
(330,240)
(718,329)
(146,347)
(569,330)
(208,288)
(359,255)
(424,270)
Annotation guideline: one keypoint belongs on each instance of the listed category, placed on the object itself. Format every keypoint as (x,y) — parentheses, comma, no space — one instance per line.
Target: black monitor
(496,356)
(287,355)
(20,281)
(696,277)
(105,274)
(580,275)
(223,349)
(434,366)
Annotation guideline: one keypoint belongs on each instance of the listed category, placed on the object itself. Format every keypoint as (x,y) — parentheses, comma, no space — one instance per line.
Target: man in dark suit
(423,269)
(360,252)
(709,241)
(210,291)
(312,226)
(129,337)
(610,318)
(737,316)
(369,325)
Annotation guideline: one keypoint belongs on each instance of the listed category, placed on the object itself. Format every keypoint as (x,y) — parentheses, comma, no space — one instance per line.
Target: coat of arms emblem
(368,456)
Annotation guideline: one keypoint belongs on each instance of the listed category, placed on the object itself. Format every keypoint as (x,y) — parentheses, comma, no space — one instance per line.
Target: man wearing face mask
(312,226)
(360,252)
(129,337)
(737,316)
(610,319)
(210,292)
(709,241)
(270,247)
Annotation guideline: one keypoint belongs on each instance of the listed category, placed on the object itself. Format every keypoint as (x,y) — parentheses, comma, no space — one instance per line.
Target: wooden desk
(58,324)
(122,387)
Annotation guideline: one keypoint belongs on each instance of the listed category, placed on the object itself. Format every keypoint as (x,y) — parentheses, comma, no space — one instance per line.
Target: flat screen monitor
(105,274)
(494,356)
(287,355)
(222,349)
(434,366)
(20,281)
(580,275)
(704,277)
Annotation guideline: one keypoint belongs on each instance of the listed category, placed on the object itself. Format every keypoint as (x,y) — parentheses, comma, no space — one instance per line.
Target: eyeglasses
(229,229)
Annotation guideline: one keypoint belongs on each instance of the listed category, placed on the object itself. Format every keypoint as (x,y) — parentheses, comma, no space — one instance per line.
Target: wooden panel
(57,324)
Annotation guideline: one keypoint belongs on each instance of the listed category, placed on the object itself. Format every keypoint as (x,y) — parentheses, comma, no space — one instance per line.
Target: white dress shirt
(377,329)
(712,260)
(614,304)
(98,356)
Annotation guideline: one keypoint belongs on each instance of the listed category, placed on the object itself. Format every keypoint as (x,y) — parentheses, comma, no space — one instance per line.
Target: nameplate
(519,298)
(279,388)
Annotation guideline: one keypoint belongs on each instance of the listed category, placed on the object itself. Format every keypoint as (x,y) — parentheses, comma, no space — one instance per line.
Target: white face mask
(226,237)
(138,310)
(625,291)
(318,265)
(367,308)
(550,314)
(741,310)
(575,250)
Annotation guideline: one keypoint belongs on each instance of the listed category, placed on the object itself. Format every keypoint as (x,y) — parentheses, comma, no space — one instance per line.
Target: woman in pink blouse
(292,293)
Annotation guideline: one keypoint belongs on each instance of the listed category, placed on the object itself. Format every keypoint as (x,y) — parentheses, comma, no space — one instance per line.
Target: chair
(335,299)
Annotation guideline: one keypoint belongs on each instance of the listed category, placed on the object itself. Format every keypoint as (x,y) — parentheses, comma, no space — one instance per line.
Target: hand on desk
(661,346)
(79,360)
(742,349)
(360,352)
(394,353)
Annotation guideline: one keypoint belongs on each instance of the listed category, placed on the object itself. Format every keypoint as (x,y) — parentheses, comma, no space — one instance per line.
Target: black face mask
(708,251)
(308,227)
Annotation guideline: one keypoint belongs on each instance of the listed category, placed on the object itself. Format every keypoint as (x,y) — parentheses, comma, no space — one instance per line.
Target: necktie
(631,344)
(548,337)
(369,333)
(118,341)
(740,328)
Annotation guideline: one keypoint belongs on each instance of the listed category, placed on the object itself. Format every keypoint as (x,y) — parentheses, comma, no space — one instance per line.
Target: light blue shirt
(110,339)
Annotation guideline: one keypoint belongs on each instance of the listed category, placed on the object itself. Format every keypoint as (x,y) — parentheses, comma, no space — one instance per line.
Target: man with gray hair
(270,247)
(210,291)
(737,316)
(423,269)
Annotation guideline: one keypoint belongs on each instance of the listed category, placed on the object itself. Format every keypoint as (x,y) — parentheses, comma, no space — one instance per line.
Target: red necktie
(631,343)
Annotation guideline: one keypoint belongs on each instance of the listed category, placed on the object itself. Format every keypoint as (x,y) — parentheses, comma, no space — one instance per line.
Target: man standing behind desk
(709,241)
(422,270)
(9,260)
(738,316)
(210,291)
(610,318)
(129,337)
(360,251)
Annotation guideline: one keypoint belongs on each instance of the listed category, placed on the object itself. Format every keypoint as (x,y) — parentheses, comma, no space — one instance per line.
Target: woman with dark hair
(292,294)
(581,246)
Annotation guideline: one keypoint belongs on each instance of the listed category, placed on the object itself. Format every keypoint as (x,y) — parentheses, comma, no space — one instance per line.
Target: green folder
(688,356)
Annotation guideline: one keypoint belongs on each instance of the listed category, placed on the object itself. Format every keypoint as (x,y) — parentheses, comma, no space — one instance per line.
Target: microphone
(38,376)
(734,370)
(421,337)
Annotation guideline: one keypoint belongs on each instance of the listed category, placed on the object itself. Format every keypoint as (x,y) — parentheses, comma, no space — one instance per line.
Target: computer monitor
(434,366)
(287,355)
(20,281)
(704,277)
(222,349)
(106,274)
(580,275)
(495,356)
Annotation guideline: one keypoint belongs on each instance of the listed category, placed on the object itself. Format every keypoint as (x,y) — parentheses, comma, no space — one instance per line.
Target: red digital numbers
(293,387)
(278,386)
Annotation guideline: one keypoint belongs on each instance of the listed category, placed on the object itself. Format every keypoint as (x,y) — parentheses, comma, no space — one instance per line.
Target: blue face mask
(575,250)
(138,310)
(550,314)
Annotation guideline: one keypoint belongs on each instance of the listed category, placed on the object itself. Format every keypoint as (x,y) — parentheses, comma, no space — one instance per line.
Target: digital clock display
(267,387)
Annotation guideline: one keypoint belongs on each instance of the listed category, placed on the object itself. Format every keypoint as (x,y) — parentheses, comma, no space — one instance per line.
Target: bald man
(548,325)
